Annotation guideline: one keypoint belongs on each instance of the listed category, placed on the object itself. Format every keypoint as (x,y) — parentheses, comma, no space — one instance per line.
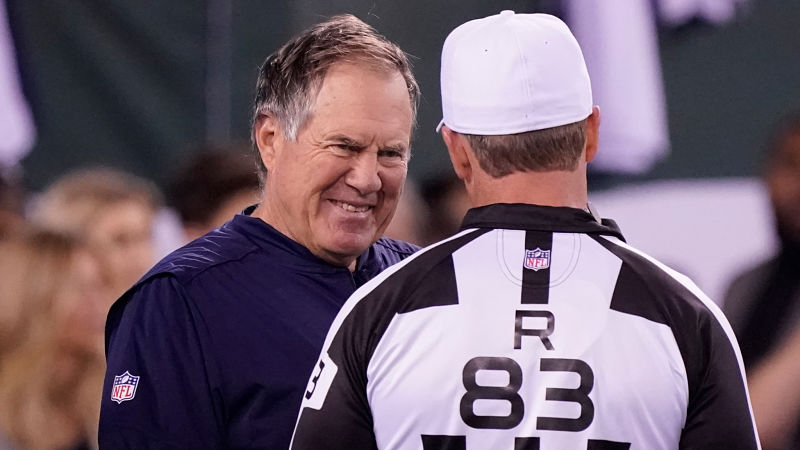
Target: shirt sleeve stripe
(710,305)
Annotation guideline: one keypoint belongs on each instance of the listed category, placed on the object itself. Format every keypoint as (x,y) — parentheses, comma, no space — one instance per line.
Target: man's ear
(265,135)
(592,133)
(457,148)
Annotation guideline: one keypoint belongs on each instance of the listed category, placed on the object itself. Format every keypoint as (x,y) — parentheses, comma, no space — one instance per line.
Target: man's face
(783,180)
(335,189)
(122,237)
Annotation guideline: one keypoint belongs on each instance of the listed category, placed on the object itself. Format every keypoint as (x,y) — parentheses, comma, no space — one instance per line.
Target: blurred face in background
(53,295)
(121,238)
(112,213)
(81,305)
(409,219)
(783,181)
(231,206)
(53,305)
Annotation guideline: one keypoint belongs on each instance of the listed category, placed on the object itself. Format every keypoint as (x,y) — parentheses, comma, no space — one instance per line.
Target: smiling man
(212,347)
(334,187)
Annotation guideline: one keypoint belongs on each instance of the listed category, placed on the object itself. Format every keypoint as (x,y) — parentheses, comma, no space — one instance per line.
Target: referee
(537,326)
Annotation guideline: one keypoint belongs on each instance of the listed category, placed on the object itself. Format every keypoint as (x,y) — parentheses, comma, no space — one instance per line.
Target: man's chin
(347,248)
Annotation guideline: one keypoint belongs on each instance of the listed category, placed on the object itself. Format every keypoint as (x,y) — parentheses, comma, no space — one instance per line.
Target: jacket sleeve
(719,414)
(157,392)
(335,414)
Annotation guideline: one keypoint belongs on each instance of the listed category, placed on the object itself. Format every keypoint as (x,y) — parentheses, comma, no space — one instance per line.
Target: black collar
(519,216)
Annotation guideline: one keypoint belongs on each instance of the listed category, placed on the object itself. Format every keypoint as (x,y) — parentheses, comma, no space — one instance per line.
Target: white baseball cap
(511,73)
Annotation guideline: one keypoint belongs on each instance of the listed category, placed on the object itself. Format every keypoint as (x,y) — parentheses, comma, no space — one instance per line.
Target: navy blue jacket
(214,346)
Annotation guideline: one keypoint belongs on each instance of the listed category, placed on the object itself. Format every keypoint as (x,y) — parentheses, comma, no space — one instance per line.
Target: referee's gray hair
(557,148)
(290,78)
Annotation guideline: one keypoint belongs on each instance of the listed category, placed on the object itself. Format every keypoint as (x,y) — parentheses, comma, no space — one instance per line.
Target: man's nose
(363,175)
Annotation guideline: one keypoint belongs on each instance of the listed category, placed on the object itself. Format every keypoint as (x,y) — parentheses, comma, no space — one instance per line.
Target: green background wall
(139,84)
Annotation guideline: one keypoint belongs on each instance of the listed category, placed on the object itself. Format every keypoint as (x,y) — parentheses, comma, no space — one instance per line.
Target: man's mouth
(351,207)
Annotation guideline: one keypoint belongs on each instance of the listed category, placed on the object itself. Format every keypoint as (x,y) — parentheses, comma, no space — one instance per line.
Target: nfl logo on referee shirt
(537,259)
(124,387)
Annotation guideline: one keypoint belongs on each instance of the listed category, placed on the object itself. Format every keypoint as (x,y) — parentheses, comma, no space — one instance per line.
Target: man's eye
(345,147)
(392,154)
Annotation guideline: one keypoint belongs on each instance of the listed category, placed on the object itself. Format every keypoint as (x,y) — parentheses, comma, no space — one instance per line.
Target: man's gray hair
(290,79)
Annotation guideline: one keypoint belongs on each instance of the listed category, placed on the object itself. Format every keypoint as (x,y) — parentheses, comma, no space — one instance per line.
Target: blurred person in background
(113,212)
(52,315)
(447,202)
(212,347)
(11,204)
(212,187)
(763,303)
(410,218)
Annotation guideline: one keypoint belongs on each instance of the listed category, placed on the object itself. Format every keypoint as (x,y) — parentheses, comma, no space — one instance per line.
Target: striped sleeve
(719,412)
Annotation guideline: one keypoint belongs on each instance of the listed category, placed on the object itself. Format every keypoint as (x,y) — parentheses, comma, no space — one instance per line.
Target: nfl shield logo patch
(537,259)
(124,387)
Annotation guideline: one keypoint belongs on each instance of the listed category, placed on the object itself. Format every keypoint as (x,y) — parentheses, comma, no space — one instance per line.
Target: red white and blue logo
(124,387)
(537,259)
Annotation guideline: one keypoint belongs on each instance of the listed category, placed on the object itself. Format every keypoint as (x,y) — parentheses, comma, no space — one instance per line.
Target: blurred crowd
(68,252)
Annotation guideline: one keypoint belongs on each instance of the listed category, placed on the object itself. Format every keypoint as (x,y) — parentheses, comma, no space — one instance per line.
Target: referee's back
(476,343)
(537,326)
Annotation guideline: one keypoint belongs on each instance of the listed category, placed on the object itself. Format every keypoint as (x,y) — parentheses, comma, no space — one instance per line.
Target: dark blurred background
(138,84)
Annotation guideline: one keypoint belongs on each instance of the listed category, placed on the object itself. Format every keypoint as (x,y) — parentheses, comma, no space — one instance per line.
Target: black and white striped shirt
(534,328)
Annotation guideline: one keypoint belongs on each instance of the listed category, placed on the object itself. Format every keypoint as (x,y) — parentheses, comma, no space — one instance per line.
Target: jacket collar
(267,237)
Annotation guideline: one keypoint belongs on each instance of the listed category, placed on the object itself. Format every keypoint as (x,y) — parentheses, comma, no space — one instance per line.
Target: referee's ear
(458,148)
(592,133)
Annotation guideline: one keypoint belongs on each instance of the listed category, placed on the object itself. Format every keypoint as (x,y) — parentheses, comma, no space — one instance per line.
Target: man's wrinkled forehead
(367,68)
